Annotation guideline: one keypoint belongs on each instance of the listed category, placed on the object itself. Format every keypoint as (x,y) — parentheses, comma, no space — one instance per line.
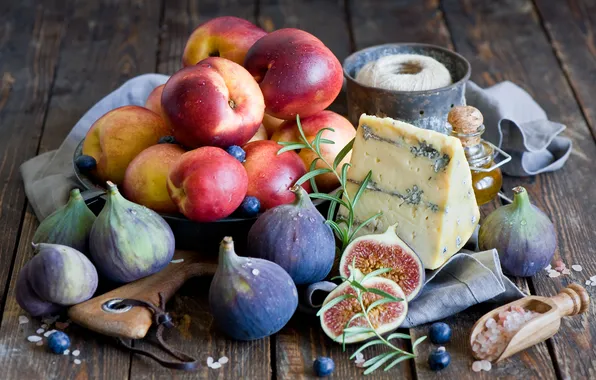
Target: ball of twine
(405,72)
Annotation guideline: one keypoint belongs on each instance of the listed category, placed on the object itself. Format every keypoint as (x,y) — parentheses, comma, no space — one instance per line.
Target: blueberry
(323,366)
(167,140)
(58,342)
(439,359)
(237,152)
(85,163)
(250,206)
(440,333)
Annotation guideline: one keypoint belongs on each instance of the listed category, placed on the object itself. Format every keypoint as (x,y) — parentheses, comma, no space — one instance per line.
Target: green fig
(522,234)
(129,241)
(70,225)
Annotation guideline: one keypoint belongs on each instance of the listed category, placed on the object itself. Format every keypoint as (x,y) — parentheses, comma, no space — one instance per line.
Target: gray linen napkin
(517,124)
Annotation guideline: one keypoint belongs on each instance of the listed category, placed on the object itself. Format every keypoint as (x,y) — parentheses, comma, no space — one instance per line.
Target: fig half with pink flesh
(371,252)
(384,318)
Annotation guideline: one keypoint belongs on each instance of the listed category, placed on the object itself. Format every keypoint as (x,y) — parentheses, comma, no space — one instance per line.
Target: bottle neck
(477,151)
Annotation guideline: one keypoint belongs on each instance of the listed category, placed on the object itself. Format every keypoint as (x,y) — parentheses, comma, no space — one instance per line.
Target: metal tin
(424,109)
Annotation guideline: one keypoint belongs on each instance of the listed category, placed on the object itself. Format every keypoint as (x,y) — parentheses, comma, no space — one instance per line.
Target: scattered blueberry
(85,163)
(58,342)
(440,333)
(167,140)
(323,366)
(237,152)
(439,359)
(250,206)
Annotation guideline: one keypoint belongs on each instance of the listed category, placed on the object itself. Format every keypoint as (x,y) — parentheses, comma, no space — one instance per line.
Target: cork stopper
(466,122)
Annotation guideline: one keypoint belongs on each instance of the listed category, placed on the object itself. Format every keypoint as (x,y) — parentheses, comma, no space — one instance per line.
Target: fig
(70,225)
(296,237)
(62,275)
(384,318)
(29,300)
(250,298)
(371,252)
(129,241)
(55,277)
(521,233)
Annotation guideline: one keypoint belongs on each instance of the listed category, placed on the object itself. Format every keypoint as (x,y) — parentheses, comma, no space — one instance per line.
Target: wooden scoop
(133,322)
(570,301)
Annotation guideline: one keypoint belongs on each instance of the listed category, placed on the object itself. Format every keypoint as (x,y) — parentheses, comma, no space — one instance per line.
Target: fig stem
(75,194)
(301,195)
(520,197)
(227,255)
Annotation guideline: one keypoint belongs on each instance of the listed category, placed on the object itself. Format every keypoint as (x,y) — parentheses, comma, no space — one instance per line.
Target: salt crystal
(588,282)
(39,331)
(48,333)
(553,274)
(77,361)
(593,283)
(66,352)
(593,278)
(577,268)
(359,356)
(209,361)
(40,343)
(44,326)
(23,319)
(566,271)
(223,360)
(441,349)
(33,338)
(485,364)
(216,365)
(476,366)
(548,267)
(177,261)
(75,352)
(255,272)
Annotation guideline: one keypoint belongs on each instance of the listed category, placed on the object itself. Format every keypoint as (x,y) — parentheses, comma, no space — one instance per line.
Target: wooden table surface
(59,57)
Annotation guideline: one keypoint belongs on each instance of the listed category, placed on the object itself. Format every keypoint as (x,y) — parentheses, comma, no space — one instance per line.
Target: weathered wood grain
(96,56)
(504,41)
(30,37)
(195,332)
(571,26)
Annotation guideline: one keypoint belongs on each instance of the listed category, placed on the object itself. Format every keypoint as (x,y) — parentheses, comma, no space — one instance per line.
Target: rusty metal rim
(424,92)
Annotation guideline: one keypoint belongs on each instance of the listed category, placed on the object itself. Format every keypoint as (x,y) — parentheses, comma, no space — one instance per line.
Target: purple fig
(295,237)
(250,298)
(128,241)
(29,300)
(70,225)
(61,275)
(523,236)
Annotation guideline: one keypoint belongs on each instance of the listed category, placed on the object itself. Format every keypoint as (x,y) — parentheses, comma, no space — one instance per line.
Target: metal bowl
(189,235)
(424,109)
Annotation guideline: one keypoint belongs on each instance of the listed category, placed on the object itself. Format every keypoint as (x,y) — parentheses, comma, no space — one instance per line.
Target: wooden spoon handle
(572,300)
(135,323)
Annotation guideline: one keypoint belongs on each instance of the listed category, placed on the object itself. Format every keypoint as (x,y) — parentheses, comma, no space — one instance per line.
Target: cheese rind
(420,181)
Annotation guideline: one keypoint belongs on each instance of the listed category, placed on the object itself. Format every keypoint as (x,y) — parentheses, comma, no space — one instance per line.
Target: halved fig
(384,318)
(371,252)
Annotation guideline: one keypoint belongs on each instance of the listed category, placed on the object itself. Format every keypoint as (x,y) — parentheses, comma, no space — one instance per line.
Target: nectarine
(214,103)
(153,101)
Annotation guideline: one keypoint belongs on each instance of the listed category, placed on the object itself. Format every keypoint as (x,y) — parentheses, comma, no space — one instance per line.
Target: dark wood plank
(181,17)
(413,21)
(571,26)
(30,38)
(195,332)
(95,58)
(505,41)
(326,19)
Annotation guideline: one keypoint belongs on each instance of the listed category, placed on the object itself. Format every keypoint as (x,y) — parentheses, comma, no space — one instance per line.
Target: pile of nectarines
(208,138)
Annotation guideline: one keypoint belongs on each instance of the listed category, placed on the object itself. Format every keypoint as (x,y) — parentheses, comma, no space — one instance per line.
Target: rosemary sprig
(395,354)
(344,228)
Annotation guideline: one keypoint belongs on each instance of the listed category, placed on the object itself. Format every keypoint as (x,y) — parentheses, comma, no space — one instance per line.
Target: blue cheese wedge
(420,181)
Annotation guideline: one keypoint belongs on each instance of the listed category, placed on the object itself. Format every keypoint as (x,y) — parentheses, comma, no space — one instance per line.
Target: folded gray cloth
(517,124)
(49,177)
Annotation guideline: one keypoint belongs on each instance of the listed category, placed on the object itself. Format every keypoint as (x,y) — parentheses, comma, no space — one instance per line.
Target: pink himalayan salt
(490,343)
